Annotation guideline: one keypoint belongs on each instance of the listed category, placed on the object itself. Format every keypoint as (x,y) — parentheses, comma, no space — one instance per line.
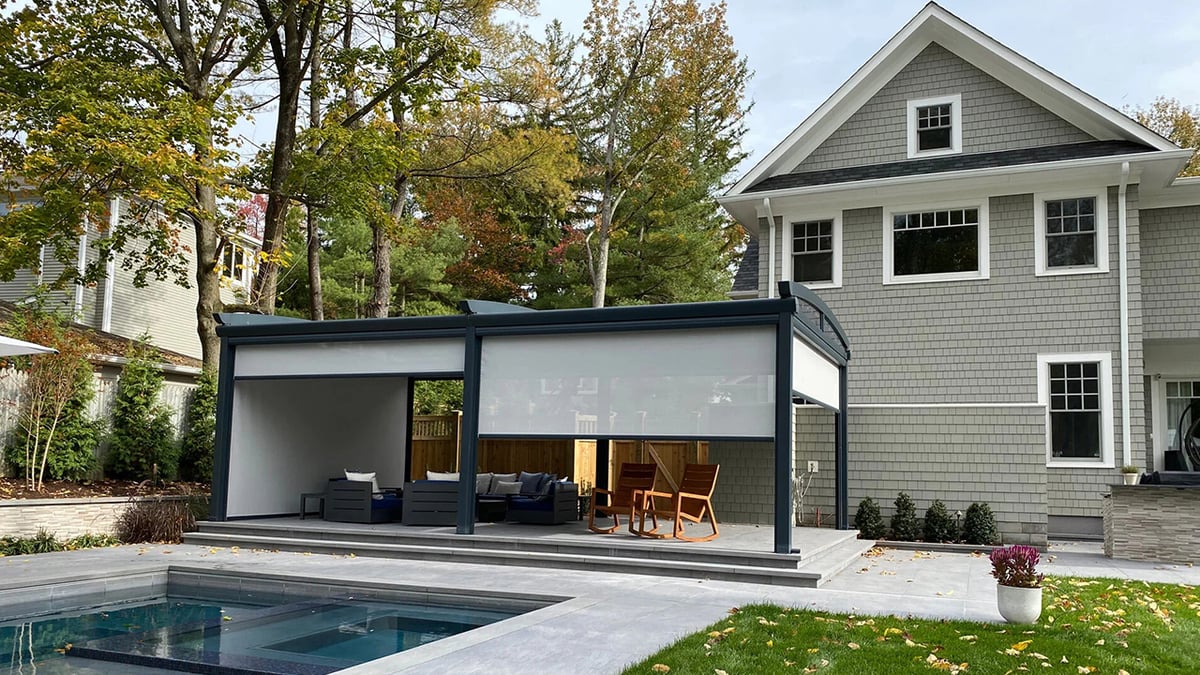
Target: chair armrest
(601,491)
(689,495)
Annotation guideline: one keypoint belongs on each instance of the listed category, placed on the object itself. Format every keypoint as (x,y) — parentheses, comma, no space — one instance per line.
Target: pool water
(35,640)
(303,636)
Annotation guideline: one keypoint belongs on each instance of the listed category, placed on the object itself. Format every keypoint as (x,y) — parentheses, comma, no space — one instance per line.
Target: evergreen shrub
(905,526)
(196,447)
(939,524)
(142,444)
(979,525)
(868,521)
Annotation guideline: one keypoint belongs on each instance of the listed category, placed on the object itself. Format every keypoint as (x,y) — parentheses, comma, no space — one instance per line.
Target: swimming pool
(219,626)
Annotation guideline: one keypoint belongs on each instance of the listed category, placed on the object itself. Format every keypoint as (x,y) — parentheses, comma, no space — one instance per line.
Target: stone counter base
(1154,523)
(65,518)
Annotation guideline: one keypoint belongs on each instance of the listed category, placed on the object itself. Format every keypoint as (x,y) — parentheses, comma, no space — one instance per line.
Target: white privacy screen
(701,383)
(813,376)
(399,357)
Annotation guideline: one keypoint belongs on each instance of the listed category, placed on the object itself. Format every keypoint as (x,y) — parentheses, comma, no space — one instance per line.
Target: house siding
(163,309)
(1171,273)
(994,116)
(745,489)
(960,456)
(977,341)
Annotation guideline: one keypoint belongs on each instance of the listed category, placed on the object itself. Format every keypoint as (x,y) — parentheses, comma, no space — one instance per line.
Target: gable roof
(934,24)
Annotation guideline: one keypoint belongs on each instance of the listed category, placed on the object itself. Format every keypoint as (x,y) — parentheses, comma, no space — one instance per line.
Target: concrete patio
(611,620)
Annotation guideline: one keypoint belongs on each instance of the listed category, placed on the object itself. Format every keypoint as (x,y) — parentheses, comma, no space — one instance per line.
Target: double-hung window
(1071,233)
(936,244)
(935,126)
(815,260)
(1077,392)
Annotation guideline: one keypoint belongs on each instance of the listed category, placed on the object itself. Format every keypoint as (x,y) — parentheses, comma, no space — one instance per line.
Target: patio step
(510,556)
(617,546)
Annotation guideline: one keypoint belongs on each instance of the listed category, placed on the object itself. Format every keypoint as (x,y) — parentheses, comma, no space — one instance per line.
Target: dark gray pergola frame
(798,313)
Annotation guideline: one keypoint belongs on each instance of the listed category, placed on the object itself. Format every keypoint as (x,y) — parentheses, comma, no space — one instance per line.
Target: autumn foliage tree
(1176,122)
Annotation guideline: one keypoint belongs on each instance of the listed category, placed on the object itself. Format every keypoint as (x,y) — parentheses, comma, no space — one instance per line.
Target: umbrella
(11,347)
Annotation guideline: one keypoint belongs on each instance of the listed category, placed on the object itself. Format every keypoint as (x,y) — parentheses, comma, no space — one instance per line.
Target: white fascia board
(1181,192)
(1113,161)
(935,24)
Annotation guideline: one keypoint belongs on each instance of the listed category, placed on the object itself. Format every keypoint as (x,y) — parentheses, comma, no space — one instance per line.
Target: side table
(305,496)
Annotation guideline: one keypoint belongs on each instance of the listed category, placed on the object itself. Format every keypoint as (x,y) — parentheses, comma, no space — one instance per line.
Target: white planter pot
(1019,605)
(1130,478)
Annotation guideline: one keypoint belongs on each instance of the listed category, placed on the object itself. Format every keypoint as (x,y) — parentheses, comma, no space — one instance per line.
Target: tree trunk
(316,306)
(381,248)
(208,283)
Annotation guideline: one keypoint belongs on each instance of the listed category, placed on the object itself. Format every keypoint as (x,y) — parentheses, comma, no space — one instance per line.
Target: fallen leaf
(968,638)
(852,645)
(660,668)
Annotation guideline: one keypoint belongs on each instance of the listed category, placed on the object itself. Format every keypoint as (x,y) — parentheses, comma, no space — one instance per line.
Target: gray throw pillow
(531,483)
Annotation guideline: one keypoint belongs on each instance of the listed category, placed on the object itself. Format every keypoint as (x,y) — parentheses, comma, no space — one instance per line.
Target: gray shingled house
(1017,265)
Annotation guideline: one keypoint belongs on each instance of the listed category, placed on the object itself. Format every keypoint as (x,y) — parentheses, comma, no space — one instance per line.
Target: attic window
(935,126)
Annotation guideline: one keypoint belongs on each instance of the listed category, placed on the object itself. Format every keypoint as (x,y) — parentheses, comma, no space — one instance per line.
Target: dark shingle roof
(979,160)
(746,278)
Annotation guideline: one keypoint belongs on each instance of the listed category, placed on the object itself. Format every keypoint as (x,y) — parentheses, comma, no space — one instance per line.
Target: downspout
(80,268)
(1123,253)
(770,247)
(110,268)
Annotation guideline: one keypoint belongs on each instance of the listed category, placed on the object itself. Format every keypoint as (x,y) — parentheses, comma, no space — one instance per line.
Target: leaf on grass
(968,638)
(660,668)
(1022,645)
(812,650)
(770,643)
(1040,657)
(718,671)
(892,631)
(852,645)
(1085,669)
(1100,642)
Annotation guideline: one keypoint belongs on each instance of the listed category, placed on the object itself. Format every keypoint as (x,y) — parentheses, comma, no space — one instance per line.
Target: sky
(801,51)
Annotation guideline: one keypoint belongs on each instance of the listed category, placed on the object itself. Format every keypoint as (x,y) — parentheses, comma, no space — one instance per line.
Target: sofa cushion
(483,483)
(366,477)
(438,475)
(547,485)
(525,503)
(507,488)
(497,478)
(531,483)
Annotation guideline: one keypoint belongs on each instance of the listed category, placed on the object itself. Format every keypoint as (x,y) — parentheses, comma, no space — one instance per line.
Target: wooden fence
(435,448)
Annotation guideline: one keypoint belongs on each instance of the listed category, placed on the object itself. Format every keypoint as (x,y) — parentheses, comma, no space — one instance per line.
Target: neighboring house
(1015,265)
(164,310)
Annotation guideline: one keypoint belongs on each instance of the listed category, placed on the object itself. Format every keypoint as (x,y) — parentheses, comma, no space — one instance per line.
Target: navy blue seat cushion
(523,503)
(389,501)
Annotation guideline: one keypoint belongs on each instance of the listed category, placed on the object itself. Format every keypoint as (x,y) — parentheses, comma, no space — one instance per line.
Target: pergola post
(218,508)
(468,450)
(842,455)
(784,453)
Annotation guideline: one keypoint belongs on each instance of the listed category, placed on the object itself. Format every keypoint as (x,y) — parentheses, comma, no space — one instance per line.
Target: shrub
(53,433)
(91,541)
(1017,566)
(868,521)
(939,524)
(42,542)
(155,520)
(196,447)
(979,525)
(905,526)
(141,445)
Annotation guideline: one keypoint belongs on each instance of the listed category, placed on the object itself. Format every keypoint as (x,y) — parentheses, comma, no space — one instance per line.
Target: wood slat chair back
(692,502)
(631,479)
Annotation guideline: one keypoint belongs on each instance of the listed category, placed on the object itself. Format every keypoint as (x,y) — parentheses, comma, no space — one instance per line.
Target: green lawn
(1087,626)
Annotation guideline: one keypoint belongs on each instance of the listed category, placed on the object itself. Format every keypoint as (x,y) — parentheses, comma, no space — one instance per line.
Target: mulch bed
(15,488)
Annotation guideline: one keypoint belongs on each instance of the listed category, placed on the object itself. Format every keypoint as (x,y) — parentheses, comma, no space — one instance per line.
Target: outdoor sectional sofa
(541,499)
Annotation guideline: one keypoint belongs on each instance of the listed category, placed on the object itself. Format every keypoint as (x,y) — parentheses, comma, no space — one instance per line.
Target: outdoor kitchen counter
(1153,522)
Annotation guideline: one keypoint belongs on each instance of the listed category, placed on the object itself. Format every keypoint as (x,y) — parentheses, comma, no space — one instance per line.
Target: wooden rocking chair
(692,502)
(632,478)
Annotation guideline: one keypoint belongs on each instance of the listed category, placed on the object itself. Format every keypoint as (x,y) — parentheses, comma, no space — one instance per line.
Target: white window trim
(1158,415)
(1106,408)
(1039,233)
(789,242)
(955,101)
(984,272)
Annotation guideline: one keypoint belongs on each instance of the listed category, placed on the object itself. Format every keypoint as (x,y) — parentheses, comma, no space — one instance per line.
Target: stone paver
(612,620)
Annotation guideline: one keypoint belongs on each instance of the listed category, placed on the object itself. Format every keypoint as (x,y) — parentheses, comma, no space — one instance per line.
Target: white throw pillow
(497,478)
(507,488)
(438,475)
(361,476)
(483,481)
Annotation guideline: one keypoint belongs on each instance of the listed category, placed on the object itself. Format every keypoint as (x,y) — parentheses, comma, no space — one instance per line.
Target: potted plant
(1019,589)
(1130,474)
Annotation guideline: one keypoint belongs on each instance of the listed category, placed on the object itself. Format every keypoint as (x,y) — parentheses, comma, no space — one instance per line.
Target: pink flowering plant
(1017,566)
